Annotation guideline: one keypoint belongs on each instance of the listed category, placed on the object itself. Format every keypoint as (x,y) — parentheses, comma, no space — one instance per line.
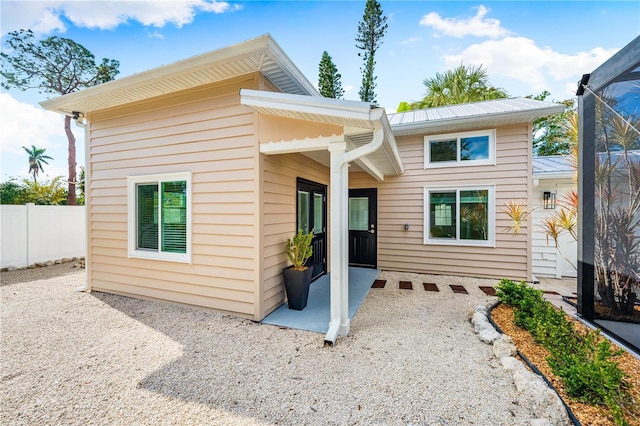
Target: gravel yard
(70,357)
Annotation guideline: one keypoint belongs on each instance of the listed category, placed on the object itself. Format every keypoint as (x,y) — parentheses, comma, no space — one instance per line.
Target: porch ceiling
(358,119)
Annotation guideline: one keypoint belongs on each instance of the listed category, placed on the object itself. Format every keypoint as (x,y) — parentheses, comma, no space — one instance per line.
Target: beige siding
(279,215)
(547,260)
(401,201)
(208,133)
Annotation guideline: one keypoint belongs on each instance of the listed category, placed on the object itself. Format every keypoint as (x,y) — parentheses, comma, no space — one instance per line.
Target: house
(553,179)
(198,172)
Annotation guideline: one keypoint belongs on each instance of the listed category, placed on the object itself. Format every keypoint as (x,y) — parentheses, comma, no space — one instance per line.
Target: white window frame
(491,231)
(132,200)
(491,161)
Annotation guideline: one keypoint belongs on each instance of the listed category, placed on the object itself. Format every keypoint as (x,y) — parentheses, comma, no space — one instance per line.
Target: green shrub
(585,363)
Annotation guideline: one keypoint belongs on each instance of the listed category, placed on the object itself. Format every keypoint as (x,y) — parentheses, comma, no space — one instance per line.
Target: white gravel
(76,358)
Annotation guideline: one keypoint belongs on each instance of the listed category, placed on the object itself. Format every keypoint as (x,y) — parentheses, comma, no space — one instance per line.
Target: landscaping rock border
(78,262)
(533,392)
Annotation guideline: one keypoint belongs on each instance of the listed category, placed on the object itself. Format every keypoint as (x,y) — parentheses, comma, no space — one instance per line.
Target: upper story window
(460,149)
(159,216)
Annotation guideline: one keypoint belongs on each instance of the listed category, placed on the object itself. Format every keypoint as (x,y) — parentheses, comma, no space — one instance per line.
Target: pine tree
(371,30)
(329,83)
(53,65)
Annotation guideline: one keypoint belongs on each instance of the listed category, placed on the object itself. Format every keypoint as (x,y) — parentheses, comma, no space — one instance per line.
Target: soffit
(260,54)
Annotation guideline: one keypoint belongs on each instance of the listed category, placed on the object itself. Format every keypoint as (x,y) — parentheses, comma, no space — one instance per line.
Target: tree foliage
(53,65)
(371,30)
(555,134)
(27,191)
(456,86)
(329,83)
(36,160)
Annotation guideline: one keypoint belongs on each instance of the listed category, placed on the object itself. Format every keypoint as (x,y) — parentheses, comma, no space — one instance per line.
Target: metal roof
(497,112)
(553,167)
(562,166)
(259,54)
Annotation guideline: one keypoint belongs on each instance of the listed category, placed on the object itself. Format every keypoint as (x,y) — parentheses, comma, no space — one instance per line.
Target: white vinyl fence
(32,234)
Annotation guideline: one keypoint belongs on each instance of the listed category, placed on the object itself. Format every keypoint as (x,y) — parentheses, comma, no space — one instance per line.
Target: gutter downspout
(339,323)
(83,125)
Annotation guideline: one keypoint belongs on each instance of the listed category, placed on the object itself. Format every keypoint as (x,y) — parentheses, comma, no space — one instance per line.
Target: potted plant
(297,277)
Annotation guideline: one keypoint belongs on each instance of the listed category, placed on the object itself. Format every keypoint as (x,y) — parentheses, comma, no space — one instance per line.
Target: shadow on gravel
(44,273)
(225,360)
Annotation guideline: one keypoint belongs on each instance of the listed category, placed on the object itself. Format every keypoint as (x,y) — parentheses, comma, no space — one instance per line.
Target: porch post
(339,259)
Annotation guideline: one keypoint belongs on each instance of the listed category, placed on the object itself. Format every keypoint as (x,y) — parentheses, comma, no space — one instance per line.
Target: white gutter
(500,118)
(339,323)
(553,175)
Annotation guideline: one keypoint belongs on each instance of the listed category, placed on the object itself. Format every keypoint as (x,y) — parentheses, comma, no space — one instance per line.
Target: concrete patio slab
(316,315)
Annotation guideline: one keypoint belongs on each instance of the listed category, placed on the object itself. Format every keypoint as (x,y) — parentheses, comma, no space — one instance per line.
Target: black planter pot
(296,283)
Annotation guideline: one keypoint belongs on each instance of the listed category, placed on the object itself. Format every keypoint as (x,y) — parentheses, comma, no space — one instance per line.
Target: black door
(312,214)
(362,227)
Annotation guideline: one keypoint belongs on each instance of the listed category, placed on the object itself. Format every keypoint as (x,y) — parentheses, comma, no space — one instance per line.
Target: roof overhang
(487,114)
(259,54)
(358,120)
(553,175)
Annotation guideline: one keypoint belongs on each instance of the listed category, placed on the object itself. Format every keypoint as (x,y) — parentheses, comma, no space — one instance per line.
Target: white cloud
(25,125)
(519,58)
(477,25)
(45,16)
(156,34)
(410,40)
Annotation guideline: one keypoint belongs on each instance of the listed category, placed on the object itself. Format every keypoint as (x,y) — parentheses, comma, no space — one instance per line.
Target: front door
(363,205)
(312,215)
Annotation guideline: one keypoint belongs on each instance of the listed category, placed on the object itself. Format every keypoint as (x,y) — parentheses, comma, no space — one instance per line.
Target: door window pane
(442,214)
(359,214)
(443,150)
(474,148)
(318,216)
(174,217)
(474,215)
(303,211)
(147,217)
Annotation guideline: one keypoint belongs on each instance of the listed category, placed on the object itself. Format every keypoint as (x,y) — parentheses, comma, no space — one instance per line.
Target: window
(159,216)
(460,216)
(460,149)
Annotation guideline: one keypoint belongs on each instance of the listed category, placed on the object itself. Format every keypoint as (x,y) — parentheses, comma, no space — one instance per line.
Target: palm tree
(36,159)
(459,85)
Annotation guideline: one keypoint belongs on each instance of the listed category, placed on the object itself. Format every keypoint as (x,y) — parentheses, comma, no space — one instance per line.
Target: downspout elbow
(332,333)
(361,151)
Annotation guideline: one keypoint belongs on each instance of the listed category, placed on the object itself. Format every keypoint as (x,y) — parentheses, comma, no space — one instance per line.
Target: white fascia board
(553,175)
(391,148)
(306,104)
(459,123)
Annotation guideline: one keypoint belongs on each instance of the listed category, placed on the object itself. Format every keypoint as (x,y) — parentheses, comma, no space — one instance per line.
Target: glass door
(312,216)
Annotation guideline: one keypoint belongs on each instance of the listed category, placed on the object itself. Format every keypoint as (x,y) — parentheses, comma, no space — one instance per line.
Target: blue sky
(526,46)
